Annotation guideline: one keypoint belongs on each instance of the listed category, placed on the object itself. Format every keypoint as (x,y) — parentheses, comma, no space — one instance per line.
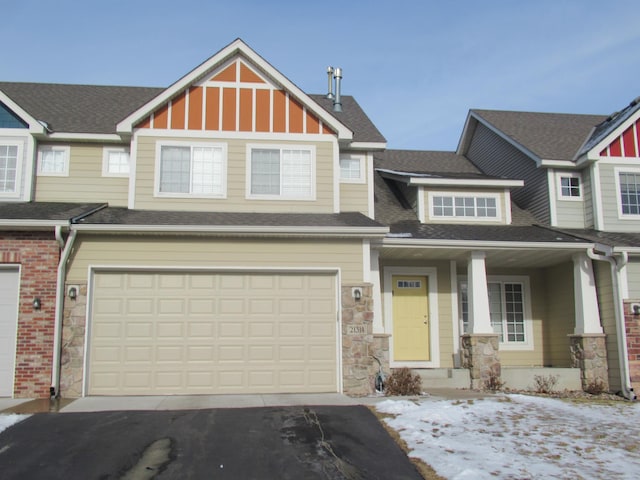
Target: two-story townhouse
(226,245)
(580,178)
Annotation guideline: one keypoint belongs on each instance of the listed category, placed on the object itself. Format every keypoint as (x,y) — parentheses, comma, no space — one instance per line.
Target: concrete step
(444,377)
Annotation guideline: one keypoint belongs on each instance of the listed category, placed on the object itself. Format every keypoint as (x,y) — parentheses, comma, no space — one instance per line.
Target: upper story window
(115,162)
(445,206)
(53,161)
(352,169)
(281,173)
(9,155)
(629,192)
(570,186)
(509,308)
(191,170)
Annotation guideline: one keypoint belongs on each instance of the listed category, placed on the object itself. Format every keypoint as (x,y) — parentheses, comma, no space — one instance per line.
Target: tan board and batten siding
(236,179)
(496,157)
(202,333)
(85,182)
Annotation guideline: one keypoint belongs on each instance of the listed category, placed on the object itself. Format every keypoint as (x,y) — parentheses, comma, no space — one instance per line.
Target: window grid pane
(349,168)
(52,161)
(296,173)
(570,186)
(8,168)
(265,172)
(514,307)
(118,162)
(464,207)
(630,193)
(175,165)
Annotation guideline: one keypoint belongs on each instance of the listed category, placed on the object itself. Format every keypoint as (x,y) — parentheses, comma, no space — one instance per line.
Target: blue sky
(416,67)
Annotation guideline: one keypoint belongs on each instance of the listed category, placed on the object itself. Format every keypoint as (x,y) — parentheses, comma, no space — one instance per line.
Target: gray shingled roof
(78,108)
(353,117)
(43,211)
(124,216)
(97,109)
(612,239)
(550,136)
(610,124)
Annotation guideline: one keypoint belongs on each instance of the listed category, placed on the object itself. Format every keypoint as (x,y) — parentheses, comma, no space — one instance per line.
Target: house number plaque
(356,329)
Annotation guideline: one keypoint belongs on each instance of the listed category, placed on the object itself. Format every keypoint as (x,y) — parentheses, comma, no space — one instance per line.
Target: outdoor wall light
(73,293)
(37,304)
(357,294)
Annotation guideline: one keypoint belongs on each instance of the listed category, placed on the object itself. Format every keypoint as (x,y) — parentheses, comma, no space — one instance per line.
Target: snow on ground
(520,436)
(7,420)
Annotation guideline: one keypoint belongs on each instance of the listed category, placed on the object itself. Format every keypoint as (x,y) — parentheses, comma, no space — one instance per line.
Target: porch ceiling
(495,257)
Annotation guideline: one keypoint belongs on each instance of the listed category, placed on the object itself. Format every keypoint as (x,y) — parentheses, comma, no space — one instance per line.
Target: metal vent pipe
(337,103)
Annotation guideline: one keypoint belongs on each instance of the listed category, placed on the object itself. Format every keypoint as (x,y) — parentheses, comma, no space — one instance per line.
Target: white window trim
(559,177)
(19,160)
(616,173)
(67,159)
(528,344)
(310,148)
(360,158)
(496,196)
(158,193)
(105,161)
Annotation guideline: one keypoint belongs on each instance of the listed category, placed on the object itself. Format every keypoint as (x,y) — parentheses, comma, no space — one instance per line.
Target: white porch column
(586,300)
(478,296)
(378,324)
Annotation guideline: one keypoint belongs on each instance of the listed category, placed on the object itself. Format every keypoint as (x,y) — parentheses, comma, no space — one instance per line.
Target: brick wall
(632,327)
(38,254)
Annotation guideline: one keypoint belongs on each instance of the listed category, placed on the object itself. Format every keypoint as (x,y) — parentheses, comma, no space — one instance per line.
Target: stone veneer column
(589,354)
(358,342)
(632,327)
(480,355)
(73,334)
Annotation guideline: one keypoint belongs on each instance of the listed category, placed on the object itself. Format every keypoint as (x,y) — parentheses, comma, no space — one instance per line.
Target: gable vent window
(464,207)
(192,170)
(286,173)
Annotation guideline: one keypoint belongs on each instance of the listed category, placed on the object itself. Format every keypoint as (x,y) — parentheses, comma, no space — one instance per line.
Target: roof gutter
(616,265)
(475,244)
(235,229)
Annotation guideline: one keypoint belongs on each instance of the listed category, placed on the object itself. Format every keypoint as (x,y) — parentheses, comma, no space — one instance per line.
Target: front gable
(624,144)
(236,98)
(235,91)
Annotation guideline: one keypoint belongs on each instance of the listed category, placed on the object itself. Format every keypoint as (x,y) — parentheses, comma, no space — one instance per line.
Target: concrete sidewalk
(201,402)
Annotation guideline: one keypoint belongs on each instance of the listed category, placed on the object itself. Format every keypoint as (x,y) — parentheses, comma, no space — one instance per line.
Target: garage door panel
(212,333)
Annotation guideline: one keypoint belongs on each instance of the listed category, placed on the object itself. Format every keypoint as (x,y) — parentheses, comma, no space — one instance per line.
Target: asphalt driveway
(324,442)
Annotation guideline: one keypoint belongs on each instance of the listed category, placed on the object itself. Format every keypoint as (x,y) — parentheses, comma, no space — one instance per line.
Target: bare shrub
(595,387)
(494,382)
(403,382)
(545,383)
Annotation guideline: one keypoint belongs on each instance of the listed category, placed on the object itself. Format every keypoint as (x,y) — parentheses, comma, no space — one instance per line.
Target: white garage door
(201,333)
(8,325)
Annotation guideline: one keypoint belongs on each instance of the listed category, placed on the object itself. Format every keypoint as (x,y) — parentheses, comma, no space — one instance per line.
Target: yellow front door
(410,318)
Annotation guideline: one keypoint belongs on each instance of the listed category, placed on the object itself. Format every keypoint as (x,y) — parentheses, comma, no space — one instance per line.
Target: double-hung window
(352,169)
(281,172)
(53,161)
(186,170)
(8,168)
(115,162)
(569,186)
(629,188)
(508,309)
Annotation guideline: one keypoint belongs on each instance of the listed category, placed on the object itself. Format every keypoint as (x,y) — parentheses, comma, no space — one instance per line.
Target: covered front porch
(475,315)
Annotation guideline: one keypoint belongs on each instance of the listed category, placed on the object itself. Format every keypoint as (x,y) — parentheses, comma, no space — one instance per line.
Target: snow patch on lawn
(520,436)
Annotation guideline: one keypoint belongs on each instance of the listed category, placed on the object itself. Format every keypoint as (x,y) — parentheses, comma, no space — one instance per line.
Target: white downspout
(60,294)
(627,390)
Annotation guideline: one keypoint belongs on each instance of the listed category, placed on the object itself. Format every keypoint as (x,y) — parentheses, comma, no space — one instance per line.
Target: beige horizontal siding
(354,198)
(200,252)
(85,182)
(235,200)
(633,277)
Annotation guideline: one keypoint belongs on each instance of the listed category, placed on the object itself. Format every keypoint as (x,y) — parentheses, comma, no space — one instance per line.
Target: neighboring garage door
(8,324)
(158,333)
